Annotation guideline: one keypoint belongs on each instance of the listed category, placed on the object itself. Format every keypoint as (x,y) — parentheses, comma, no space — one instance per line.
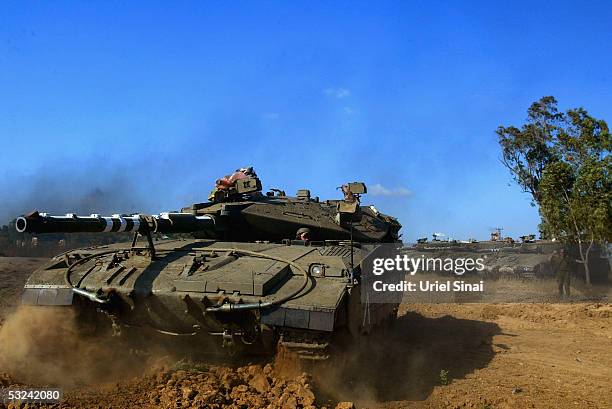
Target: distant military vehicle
(501,257)
(244,280)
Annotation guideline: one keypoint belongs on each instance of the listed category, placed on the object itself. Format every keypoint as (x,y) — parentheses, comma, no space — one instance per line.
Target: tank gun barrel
(163,223)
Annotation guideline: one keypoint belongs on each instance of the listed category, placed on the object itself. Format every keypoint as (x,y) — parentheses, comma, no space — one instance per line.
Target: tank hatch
(247,276)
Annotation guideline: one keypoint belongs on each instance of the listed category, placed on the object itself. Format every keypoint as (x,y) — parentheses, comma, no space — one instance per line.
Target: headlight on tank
(317,270)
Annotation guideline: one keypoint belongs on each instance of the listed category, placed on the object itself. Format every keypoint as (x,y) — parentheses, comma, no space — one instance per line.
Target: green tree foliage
(576,204)
(527,150)
(563,160)
(583,138)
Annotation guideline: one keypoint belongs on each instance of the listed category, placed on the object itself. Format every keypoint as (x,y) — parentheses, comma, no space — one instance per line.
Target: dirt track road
(515,356)
(495,356)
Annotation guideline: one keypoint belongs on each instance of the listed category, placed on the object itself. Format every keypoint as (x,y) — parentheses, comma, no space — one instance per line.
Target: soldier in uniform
(349,196)
(563,273)
(227,181)
(303,234)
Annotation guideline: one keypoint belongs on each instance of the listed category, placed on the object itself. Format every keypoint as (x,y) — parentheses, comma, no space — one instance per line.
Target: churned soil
(481,356)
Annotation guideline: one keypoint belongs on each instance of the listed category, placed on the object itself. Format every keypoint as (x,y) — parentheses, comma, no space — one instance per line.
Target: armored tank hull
(247,296)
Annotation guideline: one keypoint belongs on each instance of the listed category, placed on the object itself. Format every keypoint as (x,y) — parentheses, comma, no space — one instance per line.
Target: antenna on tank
(352,250)
(350,206)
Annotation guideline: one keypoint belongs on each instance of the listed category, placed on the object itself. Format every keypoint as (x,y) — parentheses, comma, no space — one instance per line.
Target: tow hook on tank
(229,338)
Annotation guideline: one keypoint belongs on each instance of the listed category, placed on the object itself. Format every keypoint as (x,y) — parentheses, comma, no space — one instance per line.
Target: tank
(261,271)
(527,259)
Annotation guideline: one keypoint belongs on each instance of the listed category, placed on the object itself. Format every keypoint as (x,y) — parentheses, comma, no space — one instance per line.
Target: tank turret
(242,213)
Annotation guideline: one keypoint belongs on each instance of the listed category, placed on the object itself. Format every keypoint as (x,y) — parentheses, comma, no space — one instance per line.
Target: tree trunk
(584,261)
(587,272)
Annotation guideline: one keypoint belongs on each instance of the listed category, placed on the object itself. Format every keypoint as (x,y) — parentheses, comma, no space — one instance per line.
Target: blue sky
(141,105)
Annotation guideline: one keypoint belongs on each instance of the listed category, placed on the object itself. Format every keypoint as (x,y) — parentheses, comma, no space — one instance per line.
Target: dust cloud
(44,346)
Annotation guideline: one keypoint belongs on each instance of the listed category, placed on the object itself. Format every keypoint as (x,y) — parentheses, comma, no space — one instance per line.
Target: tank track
(306,346)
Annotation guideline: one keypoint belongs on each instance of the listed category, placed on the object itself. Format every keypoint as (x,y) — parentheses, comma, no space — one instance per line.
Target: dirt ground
(545,355)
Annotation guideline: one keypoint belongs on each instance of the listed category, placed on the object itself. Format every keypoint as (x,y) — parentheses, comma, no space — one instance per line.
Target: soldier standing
(563,274)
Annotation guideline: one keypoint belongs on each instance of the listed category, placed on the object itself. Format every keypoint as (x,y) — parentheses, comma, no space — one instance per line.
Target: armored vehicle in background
(501,257)
(243,279)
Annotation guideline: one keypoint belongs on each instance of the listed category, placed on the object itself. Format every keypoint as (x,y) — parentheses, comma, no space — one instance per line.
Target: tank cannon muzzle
(164,223)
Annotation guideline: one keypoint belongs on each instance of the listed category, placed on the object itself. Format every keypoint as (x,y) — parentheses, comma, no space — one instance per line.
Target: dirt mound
(253,386)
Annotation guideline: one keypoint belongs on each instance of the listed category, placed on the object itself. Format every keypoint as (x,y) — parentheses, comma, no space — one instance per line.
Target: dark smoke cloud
(151,181)
(77,189)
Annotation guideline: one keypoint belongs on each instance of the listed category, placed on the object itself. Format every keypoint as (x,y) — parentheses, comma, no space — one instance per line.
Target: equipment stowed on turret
(242,279)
